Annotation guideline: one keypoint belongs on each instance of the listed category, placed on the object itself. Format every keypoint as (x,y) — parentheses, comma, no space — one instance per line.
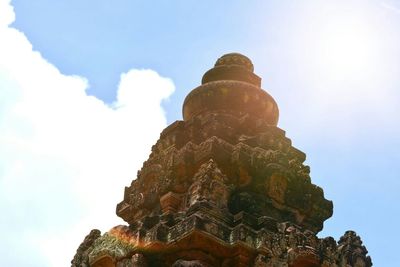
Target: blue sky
(87,86)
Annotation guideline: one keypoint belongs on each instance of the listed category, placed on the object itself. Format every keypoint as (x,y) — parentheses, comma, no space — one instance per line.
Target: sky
(86,87)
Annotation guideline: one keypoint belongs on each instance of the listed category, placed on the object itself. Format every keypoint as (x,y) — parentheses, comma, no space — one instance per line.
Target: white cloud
(65,156)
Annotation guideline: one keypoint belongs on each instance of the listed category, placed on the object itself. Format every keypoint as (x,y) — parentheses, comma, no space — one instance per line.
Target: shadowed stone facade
(224,187)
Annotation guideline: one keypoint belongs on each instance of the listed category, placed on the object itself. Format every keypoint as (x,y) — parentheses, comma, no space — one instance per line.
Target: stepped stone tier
(223,187)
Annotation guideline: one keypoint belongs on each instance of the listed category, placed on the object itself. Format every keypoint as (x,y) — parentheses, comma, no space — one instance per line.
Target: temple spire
(223,188)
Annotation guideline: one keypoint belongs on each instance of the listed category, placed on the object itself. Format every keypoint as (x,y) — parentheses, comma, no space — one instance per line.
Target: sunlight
(347,47)
(347,57)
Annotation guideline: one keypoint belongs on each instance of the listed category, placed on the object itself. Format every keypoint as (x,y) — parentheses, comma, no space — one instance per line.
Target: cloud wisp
(390,7)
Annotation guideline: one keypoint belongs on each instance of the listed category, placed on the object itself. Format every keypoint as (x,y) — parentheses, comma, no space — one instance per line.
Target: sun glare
(347,46)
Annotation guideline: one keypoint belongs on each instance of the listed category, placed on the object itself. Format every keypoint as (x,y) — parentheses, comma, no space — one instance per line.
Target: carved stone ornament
(223,187)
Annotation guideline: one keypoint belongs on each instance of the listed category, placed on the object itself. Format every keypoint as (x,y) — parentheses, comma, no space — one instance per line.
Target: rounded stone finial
(235,59)
(231,86)
(232,66)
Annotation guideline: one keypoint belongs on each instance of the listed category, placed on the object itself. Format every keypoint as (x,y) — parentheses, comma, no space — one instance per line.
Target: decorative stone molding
(224,187)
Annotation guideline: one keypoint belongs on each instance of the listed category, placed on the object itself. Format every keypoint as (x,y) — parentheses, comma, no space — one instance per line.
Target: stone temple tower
(223,187)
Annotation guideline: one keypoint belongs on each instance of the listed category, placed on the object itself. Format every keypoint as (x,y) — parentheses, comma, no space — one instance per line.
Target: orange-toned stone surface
(223,187)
